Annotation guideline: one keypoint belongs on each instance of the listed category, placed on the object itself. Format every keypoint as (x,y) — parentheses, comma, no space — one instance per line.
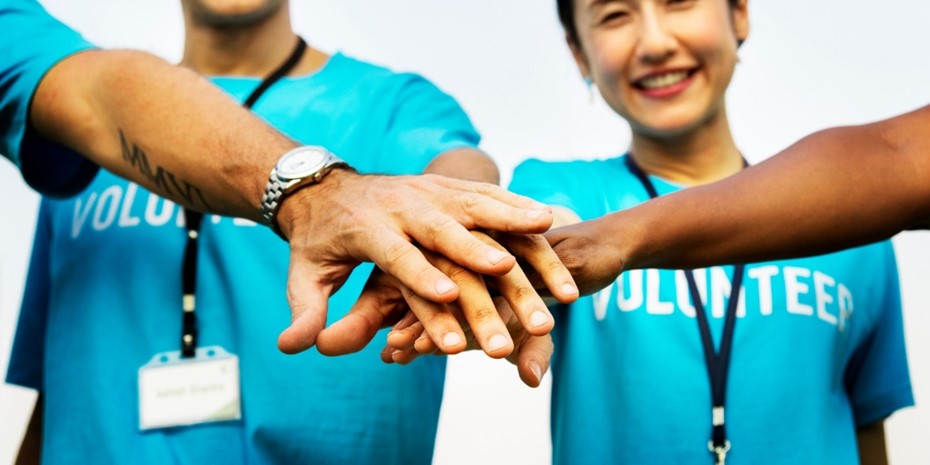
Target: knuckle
(473,204)
(458,274)
(486,188)
(522,293)
(482,315)
(556,266)
(429,178)
(535,242)
(570,259)
(397,252)
(435,319)
(438,225)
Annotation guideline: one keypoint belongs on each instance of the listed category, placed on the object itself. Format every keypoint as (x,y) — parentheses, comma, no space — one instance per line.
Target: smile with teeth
(659,81)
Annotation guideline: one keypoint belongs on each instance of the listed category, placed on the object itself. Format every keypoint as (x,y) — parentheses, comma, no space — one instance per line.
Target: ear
(741,20)
(579,57)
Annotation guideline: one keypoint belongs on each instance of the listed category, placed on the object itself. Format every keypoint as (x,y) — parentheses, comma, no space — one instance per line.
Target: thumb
(533,359)
(377,306)
(308,295)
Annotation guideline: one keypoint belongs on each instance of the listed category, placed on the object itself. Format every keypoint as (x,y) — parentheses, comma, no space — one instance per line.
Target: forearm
(871,444)
(161,126)
(835,189)
(30,451)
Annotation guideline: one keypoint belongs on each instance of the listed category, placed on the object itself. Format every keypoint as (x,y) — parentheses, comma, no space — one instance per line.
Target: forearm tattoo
(161,180)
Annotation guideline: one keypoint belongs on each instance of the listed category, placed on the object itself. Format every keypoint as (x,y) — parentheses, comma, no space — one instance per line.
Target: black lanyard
(718,363)
(193,220)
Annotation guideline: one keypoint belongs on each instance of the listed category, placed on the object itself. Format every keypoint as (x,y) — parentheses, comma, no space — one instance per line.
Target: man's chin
(221,16)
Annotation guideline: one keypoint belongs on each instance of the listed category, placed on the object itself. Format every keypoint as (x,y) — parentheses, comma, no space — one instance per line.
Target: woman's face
(663,65)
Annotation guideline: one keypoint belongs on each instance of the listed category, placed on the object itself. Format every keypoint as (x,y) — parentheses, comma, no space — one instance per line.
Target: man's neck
(705,154)
(249,50)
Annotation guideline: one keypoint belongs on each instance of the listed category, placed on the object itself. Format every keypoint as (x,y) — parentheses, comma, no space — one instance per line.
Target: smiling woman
(638,363)
(664,67)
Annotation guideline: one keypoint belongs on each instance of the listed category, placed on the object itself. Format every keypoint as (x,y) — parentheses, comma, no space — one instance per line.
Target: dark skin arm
(832,190)
(30,451)
(871,441)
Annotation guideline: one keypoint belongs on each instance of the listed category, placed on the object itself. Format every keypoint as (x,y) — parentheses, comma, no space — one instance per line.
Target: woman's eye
(613,16)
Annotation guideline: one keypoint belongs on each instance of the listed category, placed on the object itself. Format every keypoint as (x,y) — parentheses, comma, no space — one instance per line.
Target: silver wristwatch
(297,168)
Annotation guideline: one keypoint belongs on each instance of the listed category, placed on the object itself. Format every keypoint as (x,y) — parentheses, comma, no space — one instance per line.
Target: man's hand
(385,300)
(531,353)
(350,218)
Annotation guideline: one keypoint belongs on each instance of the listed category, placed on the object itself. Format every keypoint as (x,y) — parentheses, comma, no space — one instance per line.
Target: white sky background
(806,66)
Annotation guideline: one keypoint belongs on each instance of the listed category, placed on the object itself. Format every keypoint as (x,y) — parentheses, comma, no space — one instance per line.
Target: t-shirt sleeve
(28,354)
(877,376)
(32,42)
(424,122)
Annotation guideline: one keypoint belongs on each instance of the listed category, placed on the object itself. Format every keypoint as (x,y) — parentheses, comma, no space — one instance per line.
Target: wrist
(296,209)
(296,170)
(635,248)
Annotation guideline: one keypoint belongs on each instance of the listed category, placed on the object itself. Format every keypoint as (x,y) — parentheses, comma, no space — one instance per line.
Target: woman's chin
(666,128)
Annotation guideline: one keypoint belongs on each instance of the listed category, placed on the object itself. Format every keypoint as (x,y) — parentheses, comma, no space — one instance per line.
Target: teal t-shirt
(818,348)
(104,287)
(30,44)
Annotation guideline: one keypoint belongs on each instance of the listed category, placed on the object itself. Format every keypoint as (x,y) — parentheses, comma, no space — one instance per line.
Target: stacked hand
(592,263)
(515,324)
(418,230)
(530,351)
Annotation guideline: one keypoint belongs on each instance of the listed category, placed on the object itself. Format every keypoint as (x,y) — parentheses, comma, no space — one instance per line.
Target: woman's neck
(701,155)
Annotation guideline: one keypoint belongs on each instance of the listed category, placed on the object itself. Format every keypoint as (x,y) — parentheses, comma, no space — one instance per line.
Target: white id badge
(175,391)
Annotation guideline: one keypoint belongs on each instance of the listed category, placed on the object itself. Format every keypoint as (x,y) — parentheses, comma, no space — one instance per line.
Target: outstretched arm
(177,135)
(834,189)
(161,126)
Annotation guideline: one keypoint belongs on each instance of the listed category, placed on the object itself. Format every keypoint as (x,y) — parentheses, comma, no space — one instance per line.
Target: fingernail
(569,289)
(540,206)
(539,318)
(444,286)
(535,214)
(497,342)
(537,370)
(451,340)
(496,256)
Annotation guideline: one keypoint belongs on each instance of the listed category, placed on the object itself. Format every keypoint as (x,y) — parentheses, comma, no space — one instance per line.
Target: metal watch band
(274,192)
(279,188)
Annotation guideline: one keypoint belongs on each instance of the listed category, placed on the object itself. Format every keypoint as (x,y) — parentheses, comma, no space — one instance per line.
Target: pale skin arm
(832,190)
(159,125)
(174,133)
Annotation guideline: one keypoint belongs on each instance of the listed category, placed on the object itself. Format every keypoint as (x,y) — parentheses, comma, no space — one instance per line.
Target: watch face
(302,162)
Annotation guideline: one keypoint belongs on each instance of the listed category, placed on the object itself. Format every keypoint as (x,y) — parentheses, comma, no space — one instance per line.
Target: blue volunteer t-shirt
(818,348)
(104,294)
(30,44)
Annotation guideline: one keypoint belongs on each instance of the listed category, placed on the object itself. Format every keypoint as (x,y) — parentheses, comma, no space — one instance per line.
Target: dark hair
(567,17)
